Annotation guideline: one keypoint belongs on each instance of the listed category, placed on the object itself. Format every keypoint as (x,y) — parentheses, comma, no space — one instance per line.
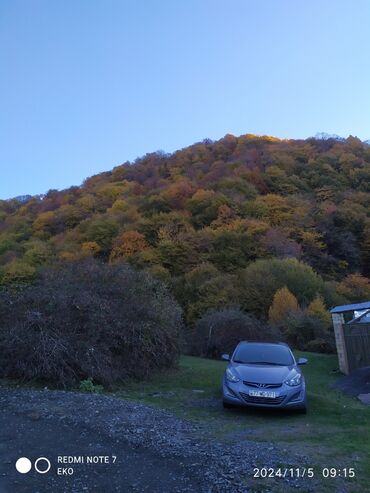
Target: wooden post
(338,322)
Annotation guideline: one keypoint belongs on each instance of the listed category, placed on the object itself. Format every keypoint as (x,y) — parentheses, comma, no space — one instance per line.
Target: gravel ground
(156,451)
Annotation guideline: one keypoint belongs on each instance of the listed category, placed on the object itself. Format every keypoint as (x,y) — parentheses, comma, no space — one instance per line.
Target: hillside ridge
(215,207)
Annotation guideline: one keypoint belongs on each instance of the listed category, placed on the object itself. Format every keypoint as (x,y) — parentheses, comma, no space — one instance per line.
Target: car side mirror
(225,357)
(302,361)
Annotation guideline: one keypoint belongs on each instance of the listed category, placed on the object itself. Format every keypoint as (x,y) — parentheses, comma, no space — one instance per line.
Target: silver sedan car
(262,374)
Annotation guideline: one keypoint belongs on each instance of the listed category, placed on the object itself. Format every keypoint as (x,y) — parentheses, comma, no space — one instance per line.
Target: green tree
(102,231)
(260,280)
(18,272)
(204,206)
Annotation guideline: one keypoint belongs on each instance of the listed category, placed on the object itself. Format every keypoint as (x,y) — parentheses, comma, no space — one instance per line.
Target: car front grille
(263,385)
(262,400)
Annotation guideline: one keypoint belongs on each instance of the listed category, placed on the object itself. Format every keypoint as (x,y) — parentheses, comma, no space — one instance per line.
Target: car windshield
(258,354)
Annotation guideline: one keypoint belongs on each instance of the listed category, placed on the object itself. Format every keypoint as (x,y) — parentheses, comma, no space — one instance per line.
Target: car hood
(262,373)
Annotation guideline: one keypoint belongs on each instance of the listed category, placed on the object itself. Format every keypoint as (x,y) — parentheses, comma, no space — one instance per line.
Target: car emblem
(261,385)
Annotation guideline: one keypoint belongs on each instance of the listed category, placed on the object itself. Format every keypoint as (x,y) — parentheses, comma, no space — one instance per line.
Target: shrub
(320,345)
(88,320)
(89,386)
(220,331)
(308,333)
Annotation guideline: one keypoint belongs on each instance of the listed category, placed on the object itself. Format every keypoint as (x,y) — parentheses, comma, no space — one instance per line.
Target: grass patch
(335,432)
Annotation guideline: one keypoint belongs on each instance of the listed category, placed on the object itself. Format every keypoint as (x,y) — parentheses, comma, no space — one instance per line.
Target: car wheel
(226,405)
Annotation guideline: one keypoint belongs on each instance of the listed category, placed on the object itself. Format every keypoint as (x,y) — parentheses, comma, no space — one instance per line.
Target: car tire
(226,405)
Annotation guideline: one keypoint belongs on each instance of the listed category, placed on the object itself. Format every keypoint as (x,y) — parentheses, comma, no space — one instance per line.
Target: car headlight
(231,376)
(295,380)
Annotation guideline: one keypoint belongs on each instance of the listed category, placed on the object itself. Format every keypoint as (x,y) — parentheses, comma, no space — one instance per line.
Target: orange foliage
(127,244)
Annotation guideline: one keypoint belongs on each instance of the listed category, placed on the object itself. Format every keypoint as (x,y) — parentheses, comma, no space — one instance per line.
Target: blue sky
(88,84)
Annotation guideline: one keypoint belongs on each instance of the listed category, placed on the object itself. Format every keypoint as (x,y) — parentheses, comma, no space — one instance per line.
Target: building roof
(351,308)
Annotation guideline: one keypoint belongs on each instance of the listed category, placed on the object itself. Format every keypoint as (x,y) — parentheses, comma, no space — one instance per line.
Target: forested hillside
(220,222)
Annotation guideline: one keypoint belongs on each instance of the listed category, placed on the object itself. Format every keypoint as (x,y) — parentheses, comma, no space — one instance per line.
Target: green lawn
(336,430)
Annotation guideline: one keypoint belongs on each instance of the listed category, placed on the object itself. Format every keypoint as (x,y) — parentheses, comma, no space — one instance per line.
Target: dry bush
(219,331)
(88,320)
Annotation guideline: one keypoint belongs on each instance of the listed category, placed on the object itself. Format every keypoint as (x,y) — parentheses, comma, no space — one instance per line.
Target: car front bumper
(288,397)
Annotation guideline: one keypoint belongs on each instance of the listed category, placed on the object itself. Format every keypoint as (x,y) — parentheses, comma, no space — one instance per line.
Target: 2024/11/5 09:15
(300,472)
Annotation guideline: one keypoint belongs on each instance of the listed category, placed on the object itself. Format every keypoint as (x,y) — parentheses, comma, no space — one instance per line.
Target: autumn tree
(90,248)
(355,288)
(283,304)
(177,193)
(129,243)
(38,253)
(274,208)
(47,223)
(318,310)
